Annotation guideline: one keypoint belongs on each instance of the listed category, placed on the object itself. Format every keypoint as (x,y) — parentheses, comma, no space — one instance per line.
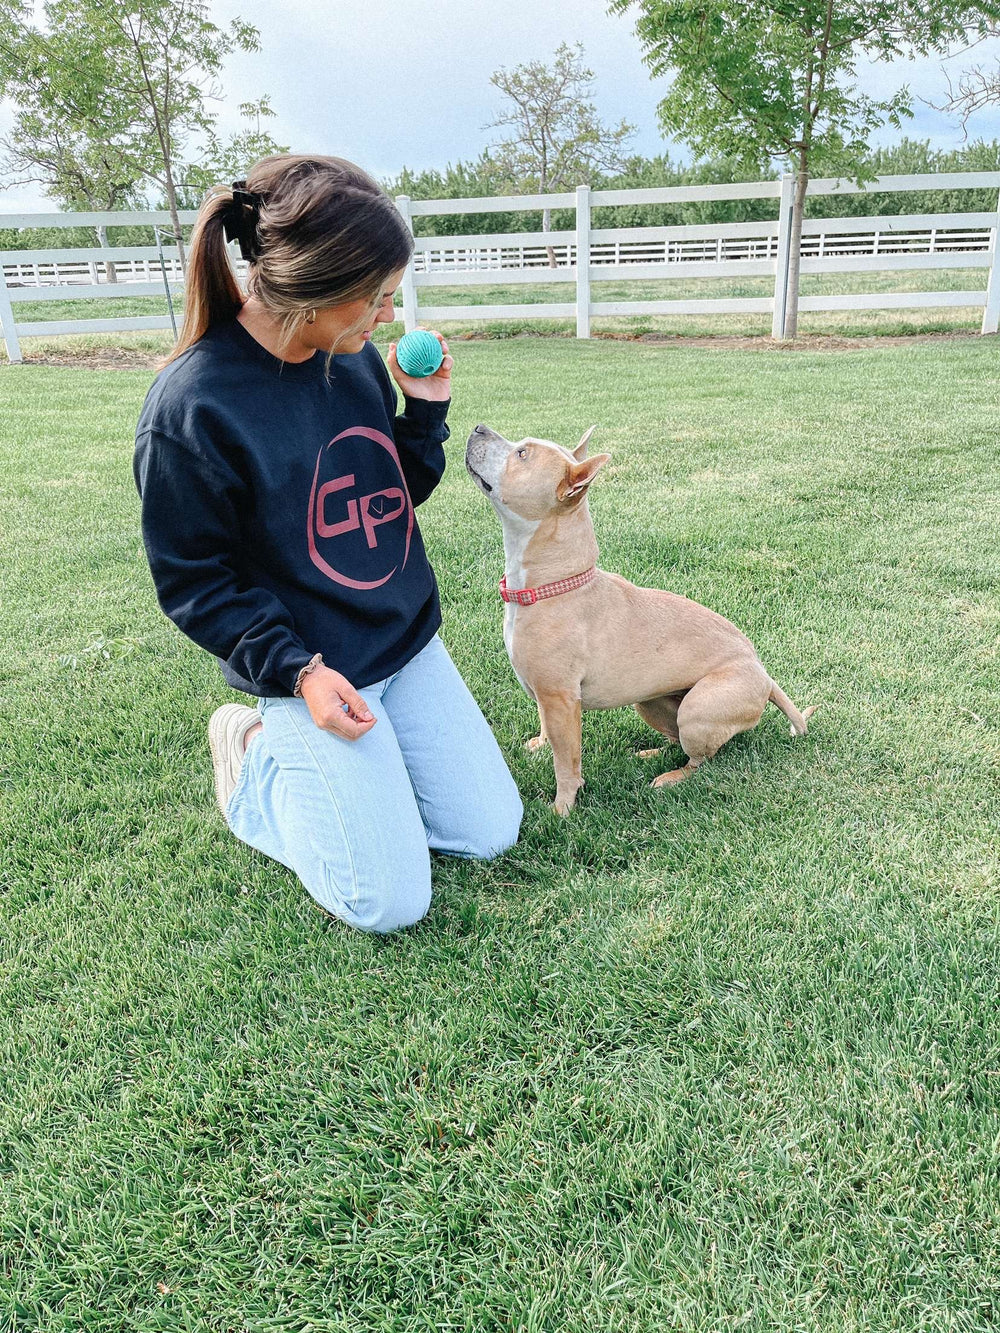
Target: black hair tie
(240,220)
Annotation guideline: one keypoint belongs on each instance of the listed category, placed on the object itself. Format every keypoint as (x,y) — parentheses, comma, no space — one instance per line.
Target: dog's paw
(536,743)
(565,803)
(673,777)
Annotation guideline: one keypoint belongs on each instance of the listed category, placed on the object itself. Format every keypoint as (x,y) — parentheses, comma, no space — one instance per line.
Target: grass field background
(719,1057)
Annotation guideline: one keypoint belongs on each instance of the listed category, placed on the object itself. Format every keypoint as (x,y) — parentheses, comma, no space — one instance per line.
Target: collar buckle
(529,596)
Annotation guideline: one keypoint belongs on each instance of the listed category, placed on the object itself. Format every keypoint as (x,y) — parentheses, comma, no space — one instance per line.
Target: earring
(311,317)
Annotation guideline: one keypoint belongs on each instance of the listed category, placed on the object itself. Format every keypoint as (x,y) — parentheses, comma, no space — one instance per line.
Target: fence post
(409,284)
(583,261)
(991,312)
(7,326)
(784,255)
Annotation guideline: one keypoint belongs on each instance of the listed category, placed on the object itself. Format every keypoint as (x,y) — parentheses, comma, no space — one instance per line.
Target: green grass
(714,1058)
(861,323)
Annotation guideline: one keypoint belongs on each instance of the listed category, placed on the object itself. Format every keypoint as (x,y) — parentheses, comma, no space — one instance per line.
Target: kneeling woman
(278,487)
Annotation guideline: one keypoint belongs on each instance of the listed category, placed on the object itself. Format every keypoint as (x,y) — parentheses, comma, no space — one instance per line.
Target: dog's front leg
(560,714)
(541,740)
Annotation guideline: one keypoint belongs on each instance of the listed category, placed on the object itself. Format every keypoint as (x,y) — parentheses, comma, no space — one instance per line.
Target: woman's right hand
(325,693)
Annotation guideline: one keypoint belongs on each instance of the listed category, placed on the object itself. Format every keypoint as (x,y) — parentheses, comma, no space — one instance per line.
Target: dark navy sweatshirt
(277,510)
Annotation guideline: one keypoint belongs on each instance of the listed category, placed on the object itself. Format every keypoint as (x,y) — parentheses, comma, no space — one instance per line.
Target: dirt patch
(129,358)
(814,342)
(97,358)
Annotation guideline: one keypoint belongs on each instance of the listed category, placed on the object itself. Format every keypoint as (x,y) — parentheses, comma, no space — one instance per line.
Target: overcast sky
(394,83)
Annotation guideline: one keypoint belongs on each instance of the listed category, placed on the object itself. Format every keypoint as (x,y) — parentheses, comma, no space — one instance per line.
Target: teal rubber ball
(419,353)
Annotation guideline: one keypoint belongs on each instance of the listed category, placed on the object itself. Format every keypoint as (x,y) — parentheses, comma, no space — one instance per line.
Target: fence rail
(574,258)
(934,234)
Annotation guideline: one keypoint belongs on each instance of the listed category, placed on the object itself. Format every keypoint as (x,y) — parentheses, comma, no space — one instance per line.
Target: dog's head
(531,478)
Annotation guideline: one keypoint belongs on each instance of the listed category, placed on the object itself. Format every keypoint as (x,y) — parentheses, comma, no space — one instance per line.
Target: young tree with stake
(62,136)
(227,160)
(137,74)
(556,140)
(776,79)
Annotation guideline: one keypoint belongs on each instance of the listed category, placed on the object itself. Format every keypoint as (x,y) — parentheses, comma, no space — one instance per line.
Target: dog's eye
(522,453)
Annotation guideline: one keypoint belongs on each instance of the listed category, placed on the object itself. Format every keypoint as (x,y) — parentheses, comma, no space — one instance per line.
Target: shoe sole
(219,743)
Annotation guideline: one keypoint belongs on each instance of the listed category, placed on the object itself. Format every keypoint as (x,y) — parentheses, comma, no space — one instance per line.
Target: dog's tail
(797,719)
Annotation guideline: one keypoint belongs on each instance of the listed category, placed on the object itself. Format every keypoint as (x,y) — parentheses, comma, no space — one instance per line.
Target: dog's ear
(579,476)
(580,452)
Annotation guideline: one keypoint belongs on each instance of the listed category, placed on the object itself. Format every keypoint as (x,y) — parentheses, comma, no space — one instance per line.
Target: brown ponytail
(211,292)
(325,234)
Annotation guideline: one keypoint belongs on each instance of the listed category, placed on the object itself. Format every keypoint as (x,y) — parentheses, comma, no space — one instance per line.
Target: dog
(581,638)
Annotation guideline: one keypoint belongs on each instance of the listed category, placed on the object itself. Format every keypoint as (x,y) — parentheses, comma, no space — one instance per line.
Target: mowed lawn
(725,1056)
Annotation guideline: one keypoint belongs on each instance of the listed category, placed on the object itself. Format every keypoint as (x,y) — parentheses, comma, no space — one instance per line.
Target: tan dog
(580,638)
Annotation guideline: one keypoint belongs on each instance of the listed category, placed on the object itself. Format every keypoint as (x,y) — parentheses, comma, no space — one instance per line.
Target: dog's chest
(509,621)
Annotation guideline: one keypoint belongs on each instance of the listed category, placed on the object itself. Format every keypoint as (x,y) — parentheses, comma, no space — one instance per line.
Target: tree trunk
(547,226)
(111,273)
(174,216)
(163,134)
(795,249)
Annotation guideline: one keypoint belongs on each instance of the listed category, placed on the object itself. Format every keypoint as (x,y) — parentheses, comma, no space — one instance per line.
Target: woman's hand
(434,388)
(325,693)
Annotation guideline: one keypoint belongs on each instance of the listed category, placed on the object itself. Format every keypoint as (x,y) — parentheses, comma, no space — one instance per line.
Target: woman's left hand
(434,388)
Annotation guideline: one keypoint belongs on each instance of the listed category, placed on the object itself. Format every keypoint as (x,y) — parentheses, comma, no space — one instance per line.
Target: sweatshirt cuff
(422,412)
(294,663)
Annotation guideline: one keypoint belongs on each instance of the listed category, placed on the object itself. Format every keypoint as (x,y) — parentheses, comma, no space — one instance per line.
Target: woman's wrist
(315,661)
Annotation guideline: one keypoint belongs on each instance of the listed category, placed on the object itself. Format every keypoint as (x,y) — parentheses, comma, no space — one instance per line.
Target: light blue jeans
(355,819)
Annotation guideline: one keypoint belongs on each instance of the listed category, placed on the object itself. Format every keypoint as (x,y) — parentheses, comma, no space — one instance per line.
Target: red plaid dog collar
(528,596)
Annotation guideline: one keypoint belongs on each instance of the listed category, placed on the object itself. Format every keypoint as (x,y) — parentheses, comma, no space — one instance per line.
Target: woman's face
(348,327)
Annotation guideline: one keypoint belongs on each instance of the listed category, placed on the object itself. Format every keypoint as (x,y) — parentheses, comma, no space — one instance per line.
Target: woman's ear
(579,476)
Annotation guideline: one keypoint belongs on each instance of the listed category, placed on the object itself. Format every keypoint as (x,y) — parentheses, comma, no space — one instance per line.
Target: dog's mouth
(482,480)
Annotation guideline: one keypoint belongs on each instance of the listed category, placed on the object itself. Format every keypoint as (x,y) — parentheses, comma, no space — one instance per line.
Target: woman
(278,488)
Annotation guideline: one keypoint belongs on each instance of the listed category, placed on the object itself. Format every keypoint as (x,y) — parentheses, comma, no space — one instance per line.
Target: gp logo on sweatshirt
(360,517)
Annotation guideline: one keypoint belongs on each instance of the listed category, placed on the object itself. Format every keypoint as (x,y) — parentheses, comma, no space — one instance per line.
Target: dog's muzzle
(476,477)
(475,453)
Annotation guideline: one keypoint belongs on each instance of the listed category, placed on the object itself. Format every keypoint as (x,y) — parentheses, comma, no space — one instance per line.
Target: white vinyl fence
(80,273)
(581,256)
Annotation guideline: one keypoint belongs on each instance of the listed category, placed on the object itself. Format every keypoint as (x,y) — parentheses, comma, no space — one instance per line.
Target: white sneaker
(227,730)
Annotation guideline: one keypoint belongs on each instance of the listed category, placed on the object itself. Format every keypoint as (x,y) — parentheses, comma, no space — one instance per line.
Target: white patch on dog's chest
(508,631)
(508,639)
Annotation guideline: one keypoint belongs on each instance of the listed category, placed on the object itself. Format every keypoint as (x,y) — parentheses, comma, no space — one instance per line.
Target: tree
(477,179)
(910,157)
(139,74)
(483,176)
(976,88)
(225,161)
(62,136)
(80,171)
(775,79)
(556,140)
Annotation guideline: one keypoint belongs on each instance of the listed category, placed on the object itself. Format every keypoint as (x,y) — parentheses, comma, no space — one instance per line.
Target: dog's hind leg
(661,715)
(719,706)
